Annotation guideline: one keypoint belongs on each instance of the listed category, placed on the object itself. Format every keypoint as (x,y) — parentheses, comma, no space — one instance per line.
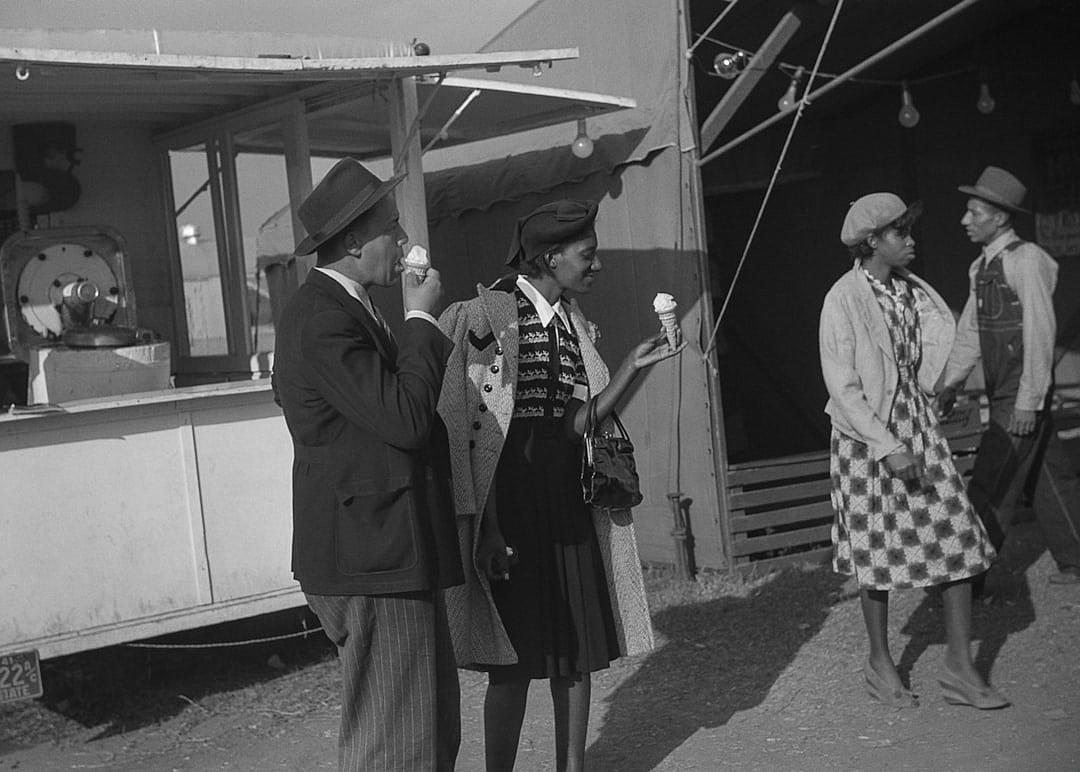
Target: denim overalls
(1004,463)
(1001,329)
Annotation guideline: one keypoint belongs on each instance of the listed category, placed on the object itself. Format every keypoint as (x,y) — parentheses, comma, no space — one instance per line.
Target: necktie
(382,323)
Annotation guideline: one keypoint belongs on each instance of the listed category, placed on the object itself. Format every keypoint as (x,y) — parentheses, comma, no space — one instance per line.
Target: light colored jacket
(857,359)
(1032,275)
(477,404)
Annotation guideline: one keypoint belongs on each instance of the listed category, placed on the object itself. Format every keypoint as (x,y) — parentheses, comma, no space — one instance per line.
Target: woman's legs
(875,608)
(504,710)
(957,599)
(570,698)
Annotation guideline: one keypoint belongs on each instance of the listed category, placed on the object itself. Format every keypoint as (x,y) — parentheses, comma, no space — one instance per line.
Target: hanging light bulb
(728,64)
(1074,92)
(582,146)
(909,116)
(537,72)
(986,102)
(789,99)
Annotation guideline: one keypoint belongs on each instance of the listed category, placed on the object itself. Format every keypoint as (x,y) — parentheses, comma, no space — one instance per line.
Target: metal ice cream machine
(69,313)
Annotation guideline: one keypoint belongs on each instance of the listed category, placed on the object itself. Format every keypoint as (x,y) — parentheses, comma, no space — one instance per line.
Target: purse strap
(590,418)
(619,426)
(590,427)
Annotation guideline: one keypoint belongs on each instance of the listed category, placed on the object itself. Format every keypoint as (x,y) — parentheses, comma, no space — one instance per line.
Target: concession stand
(144,484)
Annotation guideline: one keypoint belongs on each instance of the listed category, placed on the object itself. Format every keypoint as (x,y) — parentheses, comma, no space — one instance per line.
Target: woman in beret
(555,591)
(903,518)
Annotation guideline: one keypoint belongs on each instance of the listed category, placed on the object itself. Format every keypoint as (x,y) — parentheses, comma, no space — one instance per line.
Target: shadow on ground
(717,657)
(120,688)
(1006,609)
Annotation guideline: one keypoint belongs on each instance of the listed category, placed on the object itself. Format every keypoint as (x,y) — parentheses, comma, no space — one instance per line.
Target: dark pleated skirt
(555,606)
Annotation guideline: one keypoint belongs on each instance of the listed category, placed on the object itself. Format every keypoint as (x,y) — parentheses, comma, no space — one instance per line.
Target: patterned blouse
(549,364)
(898,299)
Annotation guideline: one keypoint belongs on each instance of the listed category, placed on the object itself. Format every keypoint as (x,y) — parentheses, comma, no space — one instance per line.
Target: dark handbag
(609,477)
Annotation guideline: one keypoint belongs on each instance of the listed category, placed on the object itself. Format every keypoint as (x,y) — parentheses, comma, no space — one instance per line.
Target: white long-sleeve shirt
(1032,274)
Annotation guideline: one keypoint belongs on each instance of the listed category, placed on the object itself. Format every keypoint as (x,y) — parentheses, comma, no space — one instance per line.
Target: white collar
(354,288)
(544,310)
(991,250)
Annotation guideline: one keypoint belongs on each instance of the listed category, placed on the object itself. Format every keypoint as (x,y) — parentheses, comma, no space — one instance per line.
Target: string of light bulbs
(730,63)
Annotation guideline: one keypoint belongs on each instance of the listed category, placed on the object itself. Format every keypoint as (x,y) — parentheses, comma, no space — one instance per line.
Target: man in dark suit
(374,537)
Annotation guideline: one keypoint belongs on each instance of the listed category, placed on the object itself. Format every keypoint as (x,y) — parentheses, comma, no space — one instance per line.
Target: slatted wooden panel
(781,513)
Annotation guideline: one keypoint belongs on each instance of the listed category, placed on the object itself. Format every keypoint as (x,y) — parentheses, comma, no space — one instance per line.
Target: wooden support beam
(759,64)
(297,148)
(411,202)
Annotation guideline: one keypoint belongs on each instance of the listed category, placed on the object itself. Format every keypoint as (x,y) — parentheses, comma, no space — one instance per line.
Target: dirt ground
(757,675)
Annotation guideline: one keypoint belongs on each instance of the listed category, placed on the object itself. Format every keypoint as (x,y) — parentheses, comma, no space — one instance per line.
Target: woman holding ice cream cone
(555,590)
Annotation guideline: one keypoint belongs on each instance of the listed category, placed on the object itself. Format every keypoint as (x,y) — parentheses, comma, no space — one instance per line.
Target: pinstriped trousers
(400,703)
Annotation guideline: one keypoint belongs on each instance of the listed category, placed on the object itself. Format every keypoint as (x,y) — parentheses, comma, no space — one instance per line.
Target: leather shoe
(957,691)
(1067,575)
(877,688)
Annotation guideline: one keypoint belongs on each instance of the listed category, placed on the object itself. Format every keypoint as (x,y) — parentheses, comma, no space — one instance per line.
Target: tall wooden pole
(411,201)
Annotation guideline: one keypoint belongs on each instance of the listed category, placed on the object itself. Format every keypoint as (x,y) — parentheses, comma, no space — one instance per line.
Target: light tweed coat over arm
(482,372)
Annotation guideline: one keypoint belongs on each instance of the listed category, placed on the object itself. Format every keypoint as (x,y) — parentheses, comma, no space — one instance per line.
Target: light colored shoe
(957,691)
(1067,575)
(877,688)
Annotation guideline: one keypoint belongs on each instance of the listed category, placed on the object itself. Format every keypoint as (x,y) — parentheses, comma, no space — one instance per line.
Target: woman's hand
(655,349)
(494,556)
(945,401)
(905,466)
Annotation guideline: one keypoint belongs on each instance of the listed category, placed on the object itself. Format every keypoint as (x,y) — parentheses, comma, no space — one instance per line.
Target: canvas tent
(729,428)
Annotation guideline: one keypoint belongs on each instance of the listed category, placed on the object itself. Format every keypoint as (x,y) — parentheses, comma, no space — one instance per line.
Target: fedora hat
(998,187)
(347,191)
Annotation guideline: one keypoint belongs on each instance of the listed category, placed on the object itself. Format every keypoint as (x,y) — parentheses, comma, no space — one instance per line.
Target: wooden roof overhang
(346,100)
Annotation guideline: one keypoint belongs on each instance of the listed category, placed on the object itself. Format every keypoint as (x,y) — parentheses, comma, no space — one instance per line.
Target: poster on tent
(1057,212)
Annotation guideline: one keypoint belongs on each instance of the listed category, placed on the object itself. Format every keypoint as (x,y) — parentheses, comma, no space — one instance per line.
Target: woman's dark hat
(549,226)
(996,186)
(346,192)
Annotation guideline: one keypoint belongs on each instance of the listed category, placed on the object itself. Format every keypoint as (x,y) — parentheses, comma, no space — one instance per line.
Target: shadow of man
(716,657)
(1007,607)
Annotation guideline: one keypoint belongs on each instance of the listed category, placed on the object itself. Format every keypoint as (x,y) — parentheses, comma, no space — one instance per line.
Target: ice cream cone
(417,261)
(664,305)
(671,327)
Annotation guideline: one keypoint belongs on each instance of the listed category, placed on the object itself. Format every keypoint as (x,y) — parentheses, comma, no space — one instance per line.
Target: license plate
(20,676)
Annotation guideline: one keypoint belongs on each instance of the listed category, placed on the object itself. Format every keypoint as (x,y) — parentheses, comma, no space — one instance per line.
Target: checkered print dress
(888,533)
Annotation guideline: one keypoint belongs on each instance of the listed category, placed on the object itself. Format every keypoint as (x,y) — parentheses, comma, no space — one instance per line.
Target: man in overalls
(1008,323)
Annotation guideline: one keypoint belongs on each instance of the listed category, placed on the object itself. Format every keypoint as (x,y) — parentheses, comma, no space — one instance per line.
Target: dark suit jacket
(372,498)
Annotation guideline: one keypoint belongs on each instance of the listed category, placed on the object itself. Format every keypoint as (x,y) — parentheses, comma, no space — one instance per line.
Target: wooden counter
(128,517)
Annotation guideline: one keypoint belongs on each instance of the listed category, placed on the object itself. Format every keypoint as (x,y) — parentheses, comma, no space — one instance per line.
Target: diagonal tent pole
(843,77)
(759,64)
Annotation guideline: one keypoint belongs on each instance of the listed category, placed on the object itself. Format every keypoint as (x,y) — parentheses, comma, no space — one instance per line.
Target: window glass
(268,245)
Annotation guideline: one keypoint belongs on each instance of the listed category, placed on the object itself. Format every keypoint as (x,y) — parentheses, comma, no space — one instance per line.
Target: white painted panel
(98,523)
(245,465)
